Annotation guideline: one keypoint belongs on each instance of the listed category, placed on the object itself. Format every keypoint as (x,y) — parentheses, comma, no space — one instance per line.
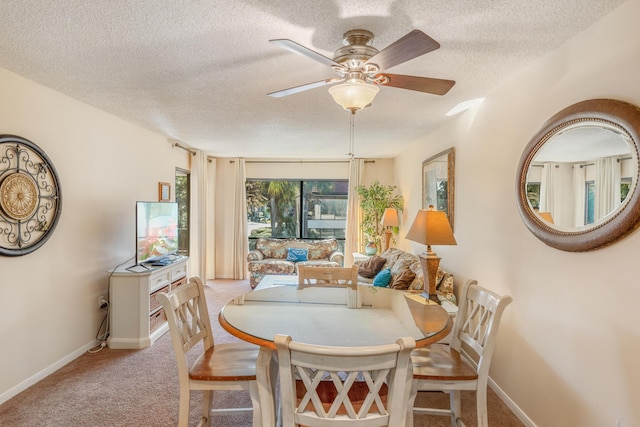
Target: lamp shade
(431,228)
(390,218)
(354,94)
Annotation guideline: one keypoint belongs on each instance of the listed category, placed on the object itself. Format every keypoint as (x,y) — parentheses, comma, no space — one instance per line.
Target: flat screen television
(156,230)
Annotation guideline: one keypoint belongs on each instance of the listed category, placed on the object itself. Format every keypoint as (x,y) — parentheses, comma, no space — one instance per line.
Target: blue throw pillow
(383,278)
(296,254)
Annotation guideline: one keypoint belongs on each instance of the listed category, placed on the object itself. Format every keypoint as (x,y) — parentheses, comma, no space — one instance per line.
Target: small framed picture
(164,191)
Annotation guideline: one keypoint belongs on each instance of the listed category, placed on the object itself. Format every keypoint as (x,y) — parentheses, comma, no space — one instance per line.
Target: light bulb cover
(354,94)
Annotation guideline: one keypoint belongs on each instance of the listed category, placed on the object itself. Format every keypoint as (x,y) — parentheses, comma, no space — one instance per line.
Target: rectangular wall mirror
(438,182)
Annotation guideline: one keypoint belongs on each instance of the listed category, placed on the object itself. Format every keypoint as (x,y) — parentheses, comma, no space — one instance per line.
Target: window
(533,194)
(302,209)
(183,197)
(625,186)
(590,191)
(590,202)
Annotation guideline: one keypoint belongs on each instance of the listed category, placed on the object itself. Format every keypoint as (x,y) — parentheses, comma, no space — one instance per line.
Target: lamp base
(387,239)
(430,263)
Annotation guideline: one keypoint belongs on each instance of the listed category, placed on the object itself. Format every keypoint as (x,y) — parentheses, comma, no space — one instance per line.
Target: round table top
(321,316)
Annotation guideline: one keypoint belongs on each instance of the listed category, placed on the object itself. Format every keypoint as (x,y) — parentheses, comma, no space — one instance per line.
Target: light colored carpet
(140,387)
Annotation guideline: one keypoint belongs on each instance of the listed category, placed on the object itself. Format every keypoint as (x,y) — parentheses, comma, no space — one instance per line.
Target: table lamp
(389,219)
(431,227)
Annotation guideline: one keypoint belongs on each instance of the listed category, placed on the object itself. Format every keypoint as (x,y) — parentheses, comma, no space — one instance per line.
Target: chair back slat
(383,372)
(464,364)
(346,277)
(476,323)
(188,318)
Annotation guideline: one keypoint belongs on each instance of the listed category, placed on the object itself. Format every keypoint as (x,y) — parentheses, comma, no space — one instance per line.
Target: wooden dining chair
(464,363)
(369,386)
(344,277)
(228,366)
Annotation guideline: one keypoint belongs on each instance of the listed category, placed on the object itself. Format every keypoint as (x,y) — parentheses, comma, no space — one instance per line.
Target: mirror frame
(620,115)
(451,159)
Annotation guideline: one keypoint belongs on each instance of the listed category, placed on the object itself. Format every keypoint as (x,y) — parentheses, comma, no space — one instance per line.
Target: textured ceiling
(198,71)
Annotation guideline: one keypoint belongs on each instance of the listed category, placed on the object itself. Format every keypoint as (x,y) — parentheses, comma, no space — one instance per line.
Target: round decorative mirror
(577,186)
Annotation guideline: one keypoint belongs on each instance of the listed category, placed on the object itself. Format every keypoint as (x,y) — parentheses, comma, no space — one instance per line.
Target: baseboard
(511,404)
(13,391)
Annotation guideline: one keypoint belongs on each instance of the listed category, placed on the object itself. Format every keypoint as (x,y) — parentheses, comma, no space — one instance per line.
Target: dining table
(327,316)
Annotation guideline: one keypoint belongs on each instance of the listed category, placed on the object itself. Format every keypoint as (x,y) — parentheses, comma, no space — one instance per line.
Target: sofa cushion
(273,248)
(418,281)
(371,267)
(383,278)
(403,279)
(403,262)
(296,254)
(272,266)
(445,286)
(392,255)
(322,249)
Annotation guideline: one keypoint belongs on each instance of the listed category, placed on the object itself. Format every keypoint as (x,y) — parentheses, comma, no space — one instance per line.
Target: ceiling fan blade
(414,44)
(302,88)
(420,84)
(301,50)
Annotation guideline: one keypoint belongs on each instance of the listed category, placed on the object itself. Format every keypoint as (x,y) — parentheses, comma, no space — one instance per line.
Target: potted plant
(374,199)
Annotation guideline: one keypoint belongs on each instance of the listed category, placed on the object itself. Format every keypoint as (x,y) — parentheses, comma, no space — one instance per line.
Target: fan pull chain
(351,133)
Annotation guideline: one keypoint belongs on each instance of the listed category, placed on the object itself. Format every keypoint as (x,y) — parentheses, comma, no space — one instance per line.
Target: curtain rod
(619,159)
(300,161)
(193,153)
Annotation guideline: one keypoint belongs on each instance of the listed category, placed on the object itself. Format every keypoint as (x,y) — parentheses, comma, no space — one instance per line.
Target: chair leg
(412,398)
(481,406)
(207,396)
(255,403)
(183,409)
(455,405)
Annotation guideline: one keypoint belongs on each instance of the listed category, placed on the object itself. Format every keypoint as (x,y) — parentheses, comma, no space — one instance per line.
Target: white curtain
(198,219)
(547,184)
(240,238)
(353,234)
(210,236)
(578,192)
(607,196)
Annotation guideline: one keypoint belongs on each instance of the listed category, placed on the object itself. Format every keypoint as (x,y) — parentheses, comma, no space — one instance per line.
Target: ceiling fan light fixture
(354,94)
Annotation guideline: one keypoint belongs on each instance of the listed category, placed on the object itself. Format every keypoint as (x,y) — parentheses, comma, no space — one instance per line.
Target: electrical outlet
(102,302)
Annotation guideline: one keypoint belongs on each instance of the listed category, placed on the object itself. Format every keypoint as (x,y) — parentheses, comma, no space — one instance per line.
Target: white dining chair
(332,277)
(368,386)
(228,366)
(464,363)
(344,277)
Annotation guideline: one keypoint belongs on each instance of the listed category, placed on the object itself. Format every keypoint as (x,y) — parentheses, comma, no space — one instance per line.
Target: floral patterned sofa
(406,273)
(282,256)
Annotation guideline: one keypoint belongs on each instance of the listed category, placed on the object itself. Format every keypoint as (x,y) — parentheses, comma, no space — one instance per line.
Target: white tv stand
(136,319)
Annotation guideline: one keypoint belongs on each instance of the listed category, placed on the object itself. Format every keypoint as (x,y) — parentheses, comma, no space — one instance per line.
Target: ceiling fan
(359,63)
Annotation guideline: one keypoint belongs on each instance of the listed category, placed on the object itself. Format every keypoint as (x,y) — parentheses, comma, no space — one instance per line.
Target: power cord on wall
(102,338)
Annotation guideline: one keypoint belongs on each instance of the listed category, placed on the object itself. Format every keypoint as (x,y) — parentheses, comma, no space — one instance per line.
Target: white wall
(48,299)
(569,343)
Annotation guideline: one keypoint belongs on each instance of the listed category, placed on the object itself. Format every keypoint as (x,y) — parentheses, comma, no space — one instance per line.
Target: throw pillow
(383,278)
(296,254)
(403,280)
(371,267)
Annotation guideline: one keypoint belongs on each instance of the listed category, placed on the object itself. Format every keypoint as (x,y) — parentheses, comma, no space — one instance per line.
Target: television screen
(156,230)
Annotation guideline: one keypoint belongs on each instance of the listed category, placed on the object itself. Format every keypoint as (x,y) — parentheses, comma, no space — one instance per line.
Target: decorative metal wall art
(30,197)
